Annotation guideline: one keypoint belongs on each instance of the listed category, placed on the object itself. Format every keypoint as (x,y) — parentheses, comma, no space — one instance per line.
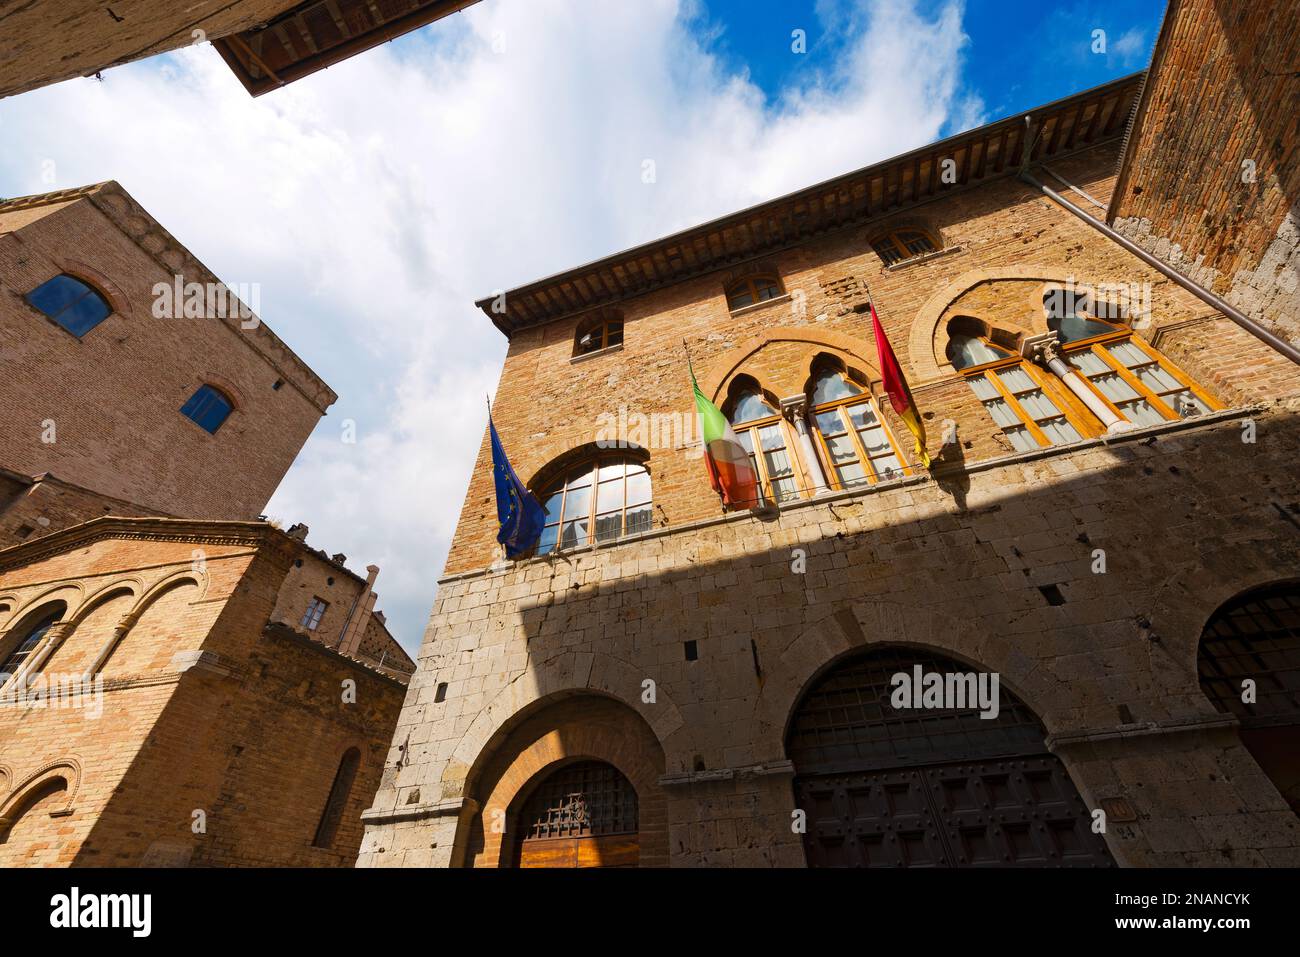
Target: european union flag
(520,515)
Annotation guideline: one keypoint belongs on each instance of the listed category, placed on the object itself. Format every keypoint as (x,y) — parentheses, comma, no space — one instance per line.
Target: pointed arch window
(899,244)
(763,432)
(71,303)
(751,290)
(854,438)
(602,499)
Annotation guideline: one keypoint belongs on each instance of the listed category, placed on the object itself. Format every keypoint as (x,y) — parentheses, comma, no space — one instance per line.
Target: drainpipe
(1209,298)
(1045,350)
(795,410)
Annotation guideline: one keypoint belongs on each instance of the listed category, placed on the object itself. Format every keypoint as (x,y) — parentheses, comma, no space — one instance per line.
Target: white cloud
(375,201)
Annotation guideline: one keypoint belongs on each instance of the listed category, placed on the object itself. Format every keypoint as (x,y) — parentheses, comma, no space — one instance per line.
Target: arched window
(759,426)
(340,791)
(752,289)
(1252,644)
(854,438)
(582,815)
(609,493)
(596,333)
(71,303)
(208,408)
(26,642)
(1069,316)
(900,244)
(966,351)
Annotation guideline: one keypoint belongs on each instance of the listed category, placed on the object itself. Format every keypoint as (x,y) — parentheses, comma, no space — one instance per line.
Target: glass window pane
(746,440)
(1156,379)
(1059,431)
(638,489)
(1128,354)
(1021,439)
(57,294)
(750,407)
(766,289)
(1017,380)
(770,437)
(785,489)
(887,466)
(610,470)
(1038,405)
(580,477)
(1074,328)
(1088,362)
(639,519)
(862,415)
(1141,412)
(84,314)
(830,423)
(966,351)
(740,298)
(575,534)
(614,334)
(851,474)
(778,465)
(1113,387)
(874,441)
(609,526)
(578,504)
(983,388)
(841,449)
(1002,413)
(831,386)
(609,496)
(546,544)
(552,506)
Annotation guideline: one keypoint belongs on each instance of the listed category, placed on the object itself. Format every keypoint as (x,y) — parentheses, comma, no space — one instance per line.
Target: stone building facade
(181,683)
(1110,518)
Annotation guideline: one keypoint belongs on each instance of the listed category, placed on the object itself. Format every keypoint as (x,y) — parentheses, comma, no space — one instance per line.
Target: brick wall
(204,707)
(1214,190)
(114,395)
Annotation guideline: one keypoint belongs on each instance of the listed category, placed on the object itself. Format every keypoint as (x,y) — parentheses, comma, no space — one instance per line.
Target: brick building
(266,43)
(1109,528)
(180,681)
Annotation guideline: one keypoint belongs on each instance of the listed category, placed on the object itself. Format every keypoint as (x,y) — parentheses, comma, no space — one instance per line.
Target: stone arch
(6,778)
(69,594)
(159,592)
(67,770)
(198,579)
(742,381)
(132,586)
(564,729)
(118,301)
(923,353)
(565,674)
(864,625)
(732,362)
(554,470)
(71,651)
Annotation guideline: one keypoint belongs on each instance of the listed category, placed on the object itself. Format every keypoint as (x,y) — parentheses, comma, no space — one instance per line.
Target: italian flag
(900,396)
(731,473)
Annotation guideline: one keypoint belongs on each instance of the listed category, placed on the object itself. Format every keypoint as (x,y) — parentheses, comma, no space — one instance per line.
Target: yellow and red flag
(900,396)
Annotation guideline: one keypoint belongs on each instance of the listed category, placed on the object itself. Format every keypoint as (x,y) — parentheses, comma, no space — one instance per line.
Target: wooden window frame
(592,467)
(759,460)
(840,406)
(310,622)
(893,241)
(605,327)
(1098,346)
(750,284)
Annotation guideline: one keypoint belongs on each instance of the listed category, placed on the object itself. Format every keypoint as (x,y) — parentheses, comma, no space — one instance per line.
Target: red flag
(900,396)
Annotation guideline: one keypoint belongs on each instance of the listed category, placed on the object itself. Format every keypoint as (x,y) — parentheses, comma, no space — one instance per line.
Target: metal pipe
(1209,298)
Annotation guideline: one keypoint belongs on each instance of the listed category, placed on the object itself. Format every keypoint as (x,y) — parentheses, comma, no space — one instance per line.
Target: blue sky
(375,201)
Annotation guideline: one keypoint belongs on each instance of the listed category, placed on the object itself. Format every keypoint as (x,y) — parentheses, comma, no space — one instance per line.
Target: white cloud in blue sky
(374,202)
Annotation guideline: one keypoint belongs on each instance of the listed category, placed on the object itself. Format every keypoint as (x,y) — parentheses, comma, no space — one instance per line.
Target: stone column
(1047,353)
(795,410)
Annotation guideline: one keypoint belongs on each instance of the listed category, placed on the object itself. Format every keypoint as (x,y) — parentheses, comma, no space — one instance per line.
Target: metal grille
(586,799)
(1255,636)
(847,722)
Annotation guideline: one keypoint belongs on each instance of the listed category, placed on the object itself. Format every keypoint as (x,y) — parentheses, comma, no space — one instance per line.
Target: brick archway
(571,729)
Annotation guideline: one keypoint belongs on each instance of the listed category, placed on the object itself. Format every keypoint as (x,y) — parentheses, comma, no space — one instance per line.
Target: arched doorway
(582,815)
(931,787)
(1249,665)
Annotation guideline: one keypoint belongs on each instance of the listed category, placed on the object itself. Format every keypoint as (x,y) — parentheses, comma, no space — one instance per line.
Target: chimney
(350,640)
(297,532)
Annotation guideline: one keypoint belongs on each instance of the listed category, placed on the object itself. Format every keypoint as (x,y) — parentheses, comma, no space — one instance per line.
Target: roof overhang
(996,150)
(319,33)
